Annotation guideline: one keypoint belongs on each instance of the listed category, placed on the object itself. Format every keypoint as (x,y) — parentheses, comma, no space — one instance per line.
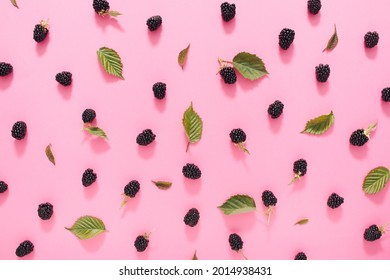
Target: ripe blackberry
(88,115)
(286,37)
(132,188)
(145,137)
(314,6)
(228,75)
(228,11)
(5,69)
(386,94)
(269,198)
(19,130)
(154,22)
(373,233)
(235,242)
(159,90)
(64,78)
(3,186)
(238,137)
(101,6)
(300,256)
(141,242)
(300,169)
(322,73)
(89,177)
(371,39)
(24,248)
(192,217)
(40,31)
(275,109)
(191,171)
(45,211)
(361,136)
(335,200)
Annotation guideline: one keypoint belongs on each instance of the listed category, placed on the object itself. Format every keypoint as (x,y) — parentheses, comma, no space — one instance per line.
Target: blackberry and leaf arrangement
(102,8)
(361,136)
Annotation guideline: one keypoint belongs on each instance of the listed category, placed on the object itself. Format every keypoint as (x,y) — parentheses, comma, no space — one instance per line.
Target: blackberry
(235,242)
(269,198)
(228,11)
(228,75)
(89,177)
(3,186)
(159,90)
(141,242)
(145,137)
(335,200)
(322,73)
(45,211)
(361,136)
(132,188)
(237,136)
(88,115)
(371,39)
(300,256)
(191,171)
(40,31)
(299,169)
(101,6)
(192,217)
(275,109)
(286,37)
(64,78)
(24,248)
(19,130)
(314,6)
(5,69)
(372,233)
(154,23)
(386,94)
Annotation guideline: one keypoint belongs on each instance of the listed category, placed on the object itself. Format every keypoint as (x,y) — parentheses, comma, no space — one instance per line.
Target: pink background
(125,108)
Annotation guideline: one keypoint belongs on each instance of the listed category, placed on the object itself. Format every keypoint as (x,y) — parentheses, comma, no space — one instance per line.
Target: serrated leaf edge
(102,55)
(229,200)
(94,220)
(264,71)
(383,180)
(331,122)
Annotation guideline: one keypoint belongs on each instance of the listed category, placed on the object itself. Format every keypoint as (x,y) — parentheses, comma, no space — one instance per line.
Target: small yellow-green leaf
(182,56)
(163,185)
(249,65)
(87,227)
(94,130)
(14,3)
(302,222)
(195,257)
(50,155)
(320,124)
(114,13)
(333,41)
(376,180)
(238,204)
(111,61)
(193,125)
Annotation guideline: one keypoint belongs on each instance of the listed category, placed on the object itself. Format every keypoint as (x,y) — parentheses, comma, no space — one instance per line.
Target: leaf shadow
(242,222)
(154,36)
(286,55)
(6,81)
(358,152)
(131,204)
(147,152)
(372,248)
(334,214)
(104,21)
(229,26)
(41,47)
(4,196)
(314,19)
(160,104)
(377,198)
(20,146)
(228,89)
(107,77)
(371,53)
(322,88)
(246,84)
(192,186)
(99,145)
(386,108)
(66,92)
(93,244)
(275,124)
(91,191)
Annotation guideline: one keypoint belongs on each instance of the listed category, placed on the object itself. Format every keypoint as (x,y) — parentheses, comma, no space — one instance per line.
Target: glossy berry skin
(358,138)
(372,233)
(300,167)
(191,171)
(237,136)
(64,78)
(322,73)
(24,248)
(100,6)
(141,243)
(146,137)
(269,199)
(89,177)
(19,130)
(300,256)
(40,33)
(5,69)
(275,110)
(228,75)
(286,38)
(228,11)
(132,188)
(192,217)
(235,242)
(159,90)
(334,201)
(45,211)
(386,94)
(314,6)
(371,39)
(154,23)
(88,115)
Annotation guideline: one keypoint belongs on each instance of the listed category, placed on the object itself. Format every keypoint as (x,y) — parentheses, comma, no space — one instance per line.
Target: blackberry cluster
(372,233)
(5,69)
(358,138)
(145,137)
(314,6)
(101,6)
(228,75)
(300,167)
(40,32)
(64,78)
(3,186)
(24,248)
(286,37)
(19,130)
(235,242)
(191,171)
(141,243)
(154,22)
(335,200)
(300,256)
(322,73)
(88,115)
(159,90)
(371,39)
(192,217)
(237,136)
(269,199)
(132,188)
(275,109)
(45,211)
(386,94)
(228,11)
(89,177)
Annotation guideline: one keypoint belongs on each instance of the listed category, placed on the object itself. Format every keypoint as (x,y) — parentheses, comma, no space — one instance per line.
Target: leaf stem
(242,254)
(268,213)
(296,177)
(124,201)
(242,147)
(188,145)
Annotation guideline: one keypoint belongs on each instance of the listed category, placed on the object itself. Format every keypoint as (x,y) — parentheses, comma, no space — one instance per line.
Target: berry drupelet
(314,6)
(335,200)
(238,137)
(286,37)
(45,211)
(5,69)
(64,78)
(40,31)
(159,90)
(192,217)
(322,73)
(191,171)
(275,109)
(88,115)
(269,200)
(386,94)
(300,256)
(371,39)
(361,136)
(101,6)
(24,248)
(3,186)
(145,137)
(299,169)
(89,177)
(228,11)
(373,233)
(154,23)
(19,130)
(228,75)
(141,242)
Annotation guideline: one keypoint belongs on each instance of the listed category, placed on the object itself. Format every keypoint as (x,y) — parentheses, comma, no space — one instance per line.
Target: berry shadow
(41,47)
(104,21)
(192,186)
(99,145)
(386,108)
(229,90)
(275,124)
(30,256)
(143,255)
(229,26)
(286,55)
(131,205)
(91,191)
(334,215)
(47,225)
(314,19)
(192,233)
(93,244)
(323,88)
(4,196)
(6,81)
(154,36)
(20,146)
(358,152)
(371,53)
(160,104)
(147,152)
(65,92)
(372,248)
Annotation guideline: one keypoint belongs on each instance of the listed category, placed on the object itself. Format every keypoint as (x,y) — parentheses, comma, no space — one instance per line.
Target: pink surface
(125,108)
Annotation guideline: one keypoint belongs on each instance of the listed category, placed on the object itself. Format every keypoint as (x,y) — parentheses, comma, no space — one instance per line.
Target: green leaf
(162,185)
(111,61)
(333,41)
(376,180)
(249,65)
(114,13)
(319,125)
(94,130)
(182,56)
(195,257)
(14,3)
(238,204)
(50,155)
(193,125)
(87,227)
(302,222)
